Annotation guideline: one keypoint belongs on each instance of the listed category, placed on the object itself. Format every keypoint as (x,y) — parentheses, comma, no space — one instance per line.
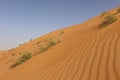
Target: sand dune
(85,53)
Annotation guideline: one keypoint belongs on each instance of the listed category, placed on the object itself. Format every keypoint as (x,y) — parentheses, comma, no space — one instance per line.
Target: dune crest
(85,52)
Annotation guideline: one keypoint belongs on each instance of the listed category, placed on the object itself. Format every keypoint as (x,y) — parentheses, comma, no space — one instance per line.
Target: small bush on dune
(104,13)
(108,20)
(20,44)
(47,45)
(51,43)
(62,32)
(31,39)
(59,39)
(44,48)
(23,58)
(118,11)
(15,64)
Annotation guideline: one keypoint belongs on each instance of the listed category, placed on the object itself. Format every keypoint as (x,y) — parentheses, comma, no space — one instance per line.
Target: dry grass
(108,20)
(23,59)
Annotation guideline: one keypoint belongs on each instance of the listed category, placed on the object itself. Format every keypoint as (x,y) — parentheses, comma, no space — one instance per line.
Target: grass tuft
(108,20)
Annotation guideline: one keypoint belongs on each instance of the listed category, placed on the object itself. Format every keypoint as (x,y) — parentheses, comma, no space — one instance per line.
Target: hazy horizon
(22,20)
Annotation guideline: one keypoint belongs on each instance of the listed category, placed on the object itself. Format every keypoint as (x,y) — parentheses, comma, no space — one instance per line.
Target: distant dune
(87,51)
(1,51)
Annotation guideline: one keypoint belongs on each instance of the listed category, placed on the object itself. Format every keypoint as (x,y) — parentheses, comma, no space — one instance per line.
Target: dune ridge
(85,53)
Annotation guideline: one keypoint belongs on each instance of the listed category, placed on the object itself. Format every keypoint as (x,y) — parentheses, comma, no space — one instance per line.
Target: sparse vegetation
(62,32)
(13,54)
(43,48)
(104,13)
(31,39)
(118,11)
(59,40)
(37,42)
(52,43)
(20,44)
(23,59)
(108,20)
(49,42)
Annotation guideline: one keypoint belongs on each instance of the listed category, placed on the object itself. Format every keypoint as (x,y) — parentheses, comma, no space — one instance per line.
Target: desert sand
(86,52)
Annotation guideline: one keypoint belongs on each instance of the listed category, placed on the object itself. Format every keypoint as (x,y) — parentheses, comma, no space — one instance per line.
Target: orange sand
(85,53)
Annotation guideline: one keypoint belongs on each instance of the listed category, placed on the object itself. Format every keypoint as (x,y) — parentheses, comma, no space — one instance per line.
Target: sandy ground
(85,53)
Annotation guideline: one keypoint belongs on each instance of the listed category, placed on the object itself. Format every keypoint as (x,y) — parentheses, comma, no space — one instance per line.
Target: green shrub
(51,43)
(23,59)
(47,45)
(44,48)
(108,20)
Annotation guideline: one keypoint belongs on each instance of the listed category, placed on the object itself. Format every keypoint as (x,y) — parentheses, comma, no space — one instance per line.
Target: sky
(22,20)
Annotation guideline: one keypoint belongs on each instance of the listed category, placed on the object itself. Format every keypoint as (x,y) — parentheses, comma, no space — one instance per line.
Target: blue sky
(22,20)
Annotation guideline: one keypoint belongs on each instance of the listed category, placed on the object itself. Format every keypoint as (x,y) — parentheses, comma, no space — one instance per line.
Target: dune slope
(86,52)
